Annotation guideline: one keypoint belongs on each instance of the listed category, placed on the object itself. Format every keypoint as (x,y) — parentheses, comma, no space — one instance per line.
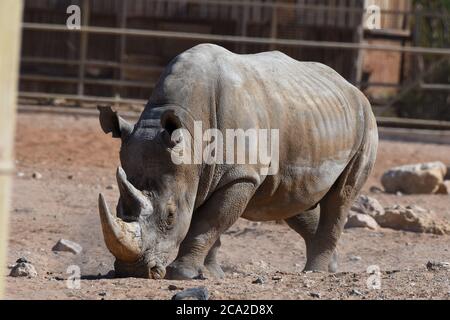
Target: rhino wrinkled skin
(170,217)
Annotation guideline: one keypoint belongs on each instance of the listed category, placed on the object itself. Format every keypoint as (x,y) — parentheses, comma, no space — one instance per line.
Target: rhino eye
(170,218)
(171,212)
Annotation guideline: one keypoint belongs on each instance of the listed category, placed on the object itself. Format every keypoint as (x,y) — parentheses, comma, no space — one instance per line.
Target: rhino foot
(179,271)
(333,265)
(215,270)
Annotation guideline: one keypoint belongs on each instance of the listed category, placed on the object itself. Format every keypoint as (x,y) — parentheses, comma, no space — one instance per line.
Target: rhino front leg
(209,221)
(211,263)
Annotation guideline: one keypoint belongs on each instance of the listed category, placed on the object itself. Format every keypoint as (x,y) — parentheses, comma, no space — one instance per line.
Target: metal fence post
(10,28)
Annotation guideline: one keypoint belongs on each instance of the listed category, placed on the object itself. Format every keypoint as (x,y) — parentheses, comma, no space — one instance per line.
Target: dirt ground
(77,161)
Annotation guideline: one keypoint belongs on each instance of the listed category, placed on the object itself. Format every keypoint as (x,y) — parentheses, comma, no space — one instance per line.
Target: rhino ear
(110,121)
(170,122)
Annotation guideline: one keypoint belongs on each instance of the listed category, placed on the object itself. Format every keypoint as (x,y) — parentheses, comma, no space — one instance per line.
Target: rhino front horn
(123,239)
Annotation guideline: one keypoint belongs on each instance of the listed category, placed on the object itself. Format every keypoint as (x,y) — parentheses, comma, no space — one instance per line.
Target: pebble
(355,292)
(201,276)
(434,265)
(23,269)
(172,287)
(355,258)
(22,260)
(67,245)
(277,278)
(259,280)
(36,175)
(199,293)
(110,187)
(315,294)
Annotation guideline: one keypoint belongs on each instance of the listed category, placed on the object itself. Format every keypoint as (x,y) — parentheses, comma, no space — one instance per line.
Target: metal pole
(83,46)
(237,39)
(10,29)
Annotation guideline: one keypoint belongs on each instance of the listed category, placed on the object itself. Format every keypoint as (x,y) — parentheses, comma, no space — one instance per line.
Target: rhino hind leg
(335,205)
(306,224)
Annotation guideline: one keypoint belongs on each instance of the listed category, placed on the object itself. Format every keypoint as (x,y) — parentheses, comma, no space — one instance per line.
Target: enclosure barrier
(348,14)
(10,17)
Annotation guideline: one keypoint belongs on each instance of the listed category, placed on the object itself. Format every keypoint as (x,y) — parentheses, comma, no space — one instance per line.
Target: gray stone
(199,293)
(359,220)
(367,205)
(444,187)
(355,258)
(23,269)
(173,287)
(411,218)
(67,245)
(36,175)
(355,292)
(434,265)
(259,280)
(424,178)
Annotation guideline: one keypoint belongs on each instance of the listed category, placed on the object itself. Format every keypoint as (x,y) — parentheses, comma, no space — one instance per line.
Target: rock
(422,178)
(259,280)
(375,189)
(355,292)
(110,187)
(67,245)
(315,294)
(200,276)
(411,218)
(23,269)
(355,258)
(359,220)
(444,187)
(447,175)
(22,259)
(367,205)
(199,293)
(102,293)
(435,266)
(277,278)
(36,175)
(173,287)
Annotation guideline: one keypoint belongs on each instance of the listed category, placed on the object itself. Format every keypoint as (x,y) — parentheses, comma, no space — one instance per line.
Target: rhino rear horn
(123,239)
(133,199)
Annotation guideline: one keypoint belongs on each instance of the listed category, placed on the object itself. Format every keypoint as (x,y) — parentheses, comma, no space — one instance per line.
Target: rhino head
(156,196)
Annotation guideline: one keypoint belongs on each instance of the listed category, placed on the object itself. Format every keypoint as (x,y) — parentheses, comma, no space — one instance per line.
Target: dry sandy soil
(77,161)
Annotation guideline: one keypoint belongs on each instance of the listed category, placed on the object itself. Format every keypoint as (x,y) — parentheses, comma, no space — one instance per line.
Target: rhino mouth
(122,233)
